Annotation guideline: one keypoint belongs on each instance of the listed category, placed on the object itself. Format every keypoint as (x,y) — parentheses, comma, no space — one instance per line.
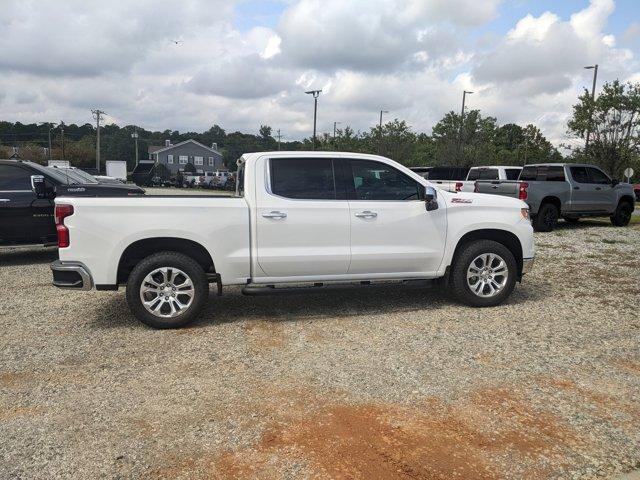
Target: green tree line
(612,121)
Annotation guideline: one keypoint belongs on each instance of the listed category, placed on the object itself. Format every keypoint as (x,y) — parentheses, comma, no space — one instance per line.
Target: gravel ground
(386,383)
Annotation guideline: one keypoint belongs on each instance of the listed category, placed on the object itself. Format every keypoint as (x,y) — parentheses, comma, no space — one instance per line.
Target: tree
(190,168)
(614,121)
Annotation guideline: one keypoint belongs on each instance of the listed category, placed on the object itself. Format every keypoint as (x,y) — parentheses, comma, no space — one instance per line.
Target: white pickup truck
(297,220)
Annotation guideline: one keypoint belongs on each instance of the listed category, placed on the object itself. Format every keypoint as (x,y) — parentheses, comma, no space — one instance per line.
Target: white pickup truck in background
(310,219)
(459,179)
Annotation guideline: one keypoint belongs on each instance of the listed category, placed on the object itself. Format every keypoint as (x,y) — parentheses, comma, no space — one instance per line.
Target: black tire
(622,216)
(571,219)
(547,218)
(172,260)
(462,262)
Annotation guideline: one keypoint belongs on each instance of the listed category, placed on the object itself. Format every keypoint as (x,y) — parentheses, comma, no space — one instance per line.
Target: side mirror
(38,186)
(615,182)
(430,198)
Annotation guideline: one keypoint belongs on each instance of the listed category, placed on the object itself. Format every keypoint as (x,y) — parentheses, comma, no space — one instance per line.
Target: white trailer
(117,169)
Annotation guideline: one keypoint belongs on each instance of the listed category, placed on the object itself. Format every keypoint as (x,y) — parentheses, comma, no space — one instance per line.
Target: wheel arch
(504,237)
(140,249)
(627,198)
(553,200)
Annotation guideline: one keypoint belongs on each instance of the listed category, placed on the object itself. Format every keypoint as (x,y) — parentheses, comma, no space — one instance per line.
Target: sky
(187,65)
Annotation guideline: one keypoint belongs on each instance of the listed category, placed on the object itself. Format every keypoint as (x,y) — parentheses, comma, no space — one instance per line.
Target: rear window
(448,173)
(483,174)
(512,173)
(529,174)
(303,178)
(543,173)
(555,174)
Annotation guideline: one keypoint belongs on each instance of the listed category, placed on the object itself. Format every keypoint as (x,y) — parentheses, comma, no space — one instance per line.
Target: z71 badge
(461,200)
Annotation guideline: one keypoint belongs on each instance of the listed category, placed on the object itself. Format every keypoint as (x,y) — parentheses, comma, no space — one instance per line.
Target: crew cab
(568,190)
(297,220)
(27,218)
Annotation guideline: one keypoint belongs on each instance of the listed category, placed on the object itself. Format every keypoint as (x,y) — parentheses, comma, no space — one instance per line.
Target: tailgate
(508,188)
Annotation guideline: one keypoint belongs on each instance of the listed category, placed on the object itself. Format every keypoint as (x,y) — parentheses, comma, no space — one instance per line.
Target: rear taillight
(522,190)
(62,211)
(458,186)
(476,189)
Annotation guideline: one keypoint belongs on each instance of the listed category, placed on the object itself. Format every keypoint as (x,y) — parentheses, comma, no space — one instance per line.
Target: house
(176,157)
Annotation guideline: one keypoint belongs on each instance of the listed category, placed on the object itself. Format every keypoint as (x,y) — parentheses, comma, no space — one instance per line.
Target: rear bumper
(71,275)
(527,265)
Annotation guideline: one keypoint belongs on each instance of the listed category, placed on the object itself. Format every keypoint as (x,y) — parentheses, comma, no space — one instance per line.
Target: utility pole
(334,129)
(380,130)
(593,99)
(62,133)
(316,94)
(279,136)
(97,113)
(135,136)
(464,97)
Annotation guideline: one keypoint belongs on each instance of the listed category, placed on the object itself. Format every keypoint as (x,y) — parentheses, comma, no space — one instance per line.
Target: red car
(636,190)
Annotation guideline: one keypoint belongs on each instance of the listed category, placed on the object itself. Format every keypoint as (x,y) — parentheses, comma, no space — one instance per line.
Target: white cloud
(412,57)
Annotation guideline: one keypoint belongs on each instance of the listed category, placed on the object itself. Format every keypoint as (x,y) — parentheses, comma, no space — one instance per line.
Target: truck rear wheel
(622,216)
(484,273)
(546,219)
(167,290)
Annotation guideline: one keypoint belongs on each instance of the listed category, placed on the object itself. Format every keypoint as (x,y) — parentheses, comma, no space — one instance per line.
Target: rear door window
(303,178)
(14,178)
(579,174)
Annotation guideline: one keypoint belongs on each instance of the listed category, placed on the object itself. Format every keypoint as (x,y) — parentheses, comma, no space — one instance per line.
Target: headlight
(525,213)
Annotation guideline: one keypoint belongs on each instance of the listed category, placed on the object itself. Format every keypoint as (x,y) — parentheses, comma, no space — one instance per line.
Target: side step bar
(259,290)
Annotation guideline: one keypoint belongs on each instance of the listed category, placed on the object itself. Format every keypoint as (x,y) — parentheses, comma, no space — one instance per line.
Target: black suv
(27,218)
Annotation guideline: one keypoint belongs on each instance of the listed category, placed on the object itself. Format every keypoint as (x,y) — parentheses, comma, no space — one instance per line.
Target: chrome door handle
(275,214)
(494,186)
(4,200)
(367,214)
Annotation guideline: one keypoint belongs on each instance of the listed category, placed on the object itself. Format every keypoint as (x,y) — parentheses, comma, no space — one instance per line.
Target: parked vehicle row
(27,217)
(462,179)
(297,220)
(566,190)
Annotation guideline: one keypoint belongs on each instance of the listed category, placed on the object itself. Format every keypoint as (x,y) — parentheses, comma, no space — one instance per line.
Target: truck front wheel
(167,290)
(484,273)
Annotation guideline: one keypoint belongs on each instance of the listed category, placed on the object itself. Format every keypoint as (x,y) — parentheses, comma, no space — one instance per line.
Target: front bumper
(527,265)
(71,275)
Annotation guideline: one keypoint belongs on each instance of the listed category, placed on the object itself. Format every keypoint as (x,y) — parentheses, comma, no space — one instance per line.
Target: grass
(610,241)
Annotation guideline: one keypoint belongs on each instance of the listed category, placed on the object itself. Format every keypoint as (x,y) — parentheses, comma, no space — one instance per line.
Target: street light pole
(593,98)
(62,133)
(316,94)
(464,97)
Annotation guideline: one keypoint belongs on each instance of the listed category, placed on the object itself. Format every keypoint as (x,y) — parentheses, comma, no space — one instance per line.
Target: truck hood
(468,199)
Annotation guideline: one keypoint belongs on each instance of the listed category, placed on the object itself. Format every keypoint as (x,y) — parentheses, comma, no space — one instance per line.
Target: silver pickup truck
(567,190)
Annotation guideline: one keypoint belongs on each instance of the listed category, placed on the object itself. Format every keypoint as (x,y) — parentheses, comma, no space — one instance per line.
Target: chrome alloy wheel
(167,292)
(487,275)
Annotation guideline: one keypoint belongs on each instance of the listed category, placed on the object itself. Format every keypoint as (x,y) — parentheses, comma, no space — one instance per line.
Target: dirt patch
(433,440)
(628,365)
(10,413)
(265,335)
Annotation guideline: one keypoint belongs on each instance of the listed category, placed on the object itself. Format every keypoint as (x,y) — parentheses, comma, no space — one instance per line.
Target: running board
(259,290)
